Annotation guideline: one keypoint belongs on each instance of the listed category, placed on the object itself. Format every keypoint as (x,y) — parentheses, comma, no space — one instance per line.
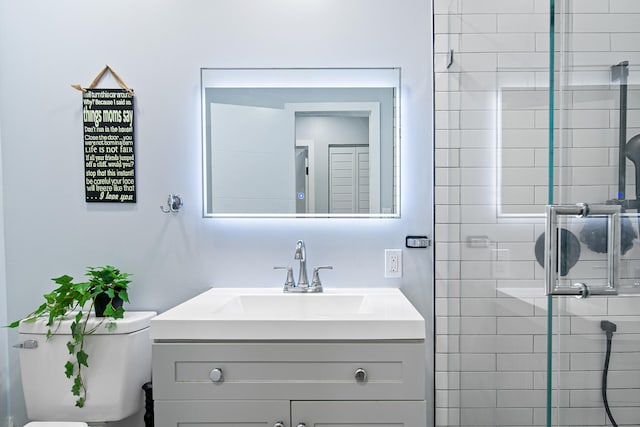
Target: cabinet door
(359,413)
(221,413)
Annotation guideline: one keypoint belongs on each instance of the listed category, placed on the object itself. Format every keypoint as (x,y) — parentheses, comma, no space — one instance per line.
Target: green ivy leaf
(71,346)
(83,287)
(108,310)
(77,386)
(14,324)
(50,297)
(68,369)
(82,358)
(63,280)
(52,318)
(118,313)
(80,402)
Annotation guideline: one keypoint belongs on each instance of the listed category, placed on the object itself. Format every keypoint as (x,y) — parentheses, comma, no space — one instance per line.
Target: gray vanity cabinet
(346,383)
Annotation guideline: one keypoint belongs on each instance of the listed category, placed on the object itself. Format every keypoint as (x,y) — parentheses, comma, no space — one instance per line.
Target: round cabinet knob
(302,425)
(279,424)
(216,375)
(360,375)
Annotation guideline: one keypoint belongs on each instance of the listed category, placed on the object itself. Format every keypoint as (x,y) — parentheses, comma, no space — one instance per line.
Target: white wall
(158,48)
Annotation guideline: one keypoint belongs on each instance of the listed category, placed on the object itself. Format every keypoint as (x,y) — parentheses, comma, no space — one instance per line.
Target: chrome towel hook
(174,203)
(450,59)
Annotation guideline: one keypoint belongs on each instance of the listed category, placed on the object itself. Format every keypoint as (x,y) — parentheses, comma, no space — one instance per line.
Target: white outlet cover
(392,263)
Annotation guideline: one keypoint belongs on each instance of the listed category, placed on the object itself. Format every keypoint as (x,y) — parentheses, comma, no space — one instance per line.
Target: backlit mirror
(301,142)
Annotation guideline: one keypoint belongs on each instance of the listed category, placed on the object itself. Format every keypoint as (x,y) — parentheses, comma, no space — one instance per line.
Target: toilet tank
(119,364)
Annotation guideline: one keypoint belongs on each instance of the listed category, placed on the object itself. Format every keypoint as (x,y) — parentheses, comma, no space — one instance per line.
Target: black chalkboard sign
(109,155)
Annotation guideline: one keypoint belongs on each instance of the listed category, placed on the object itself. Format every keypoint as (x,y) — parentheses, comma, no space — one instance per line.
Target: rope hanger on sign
(95,81)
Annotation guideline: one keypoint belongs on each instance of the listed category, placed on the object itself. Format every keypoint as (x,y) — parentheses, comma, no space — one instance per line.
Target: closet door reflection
(349,179)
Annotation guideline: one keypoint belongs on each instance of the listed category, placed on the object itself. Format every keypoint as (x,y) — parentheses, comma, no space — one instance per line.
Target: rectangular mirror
(301,142)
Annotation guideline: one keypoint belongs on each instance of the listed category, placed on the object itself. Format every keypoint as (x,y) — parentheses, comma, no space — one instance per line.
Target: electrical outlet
(392,263)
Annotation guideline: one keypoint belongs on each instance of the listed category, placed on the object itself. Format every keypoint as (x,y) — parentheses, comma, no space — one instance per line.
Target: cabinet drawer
(288,370)
(173,413)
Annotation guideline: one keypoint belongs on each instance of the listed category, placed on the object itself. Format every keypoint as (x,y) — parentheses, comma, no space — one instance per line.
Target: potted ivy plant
(104,292)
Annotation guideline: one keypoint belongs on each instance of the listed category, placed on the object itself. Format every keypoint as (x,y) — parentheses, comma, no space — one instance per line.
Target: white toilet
(119,364)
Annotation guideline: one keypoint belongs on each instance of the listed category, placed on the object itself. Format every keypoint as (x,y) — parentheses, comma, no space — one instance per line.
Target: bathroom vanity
(260,357)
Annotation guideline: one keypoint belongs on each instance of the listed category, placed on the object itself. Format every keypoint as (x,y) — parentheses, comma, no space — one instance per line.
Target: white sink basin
(292,306)
(270,314)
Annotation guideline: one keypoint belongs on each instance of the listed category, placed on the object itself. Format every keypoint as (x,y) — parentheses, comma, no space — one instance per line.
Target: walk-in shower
(528,114)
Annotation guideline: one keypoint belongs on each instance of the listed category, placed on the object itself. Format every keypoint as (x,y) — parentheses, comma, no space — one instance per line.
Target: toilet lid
(131,322)
(55,424)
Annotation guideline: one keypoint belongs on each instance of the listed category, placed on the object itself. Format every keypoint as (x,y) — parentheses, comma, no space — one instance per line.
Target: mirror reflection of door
(349,179)
(245,156)
(341,171)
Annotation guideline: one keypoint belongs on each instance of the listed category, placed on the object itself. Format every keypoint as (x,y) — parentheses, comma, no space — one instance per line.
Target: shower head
(595,234)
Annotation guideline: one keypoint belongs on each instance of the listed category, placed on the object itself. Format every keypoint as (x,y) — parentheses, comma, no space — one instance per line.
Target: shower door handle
(551,252)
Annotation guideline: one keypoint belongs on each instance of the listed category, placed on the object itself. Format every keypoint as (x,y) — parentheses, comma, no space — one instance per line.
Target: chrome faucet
(301,255)
(303,282)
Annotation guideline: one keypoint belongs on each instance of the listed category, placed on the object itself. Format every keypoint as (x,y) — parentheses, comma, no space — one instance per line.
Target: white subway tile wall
(491,159)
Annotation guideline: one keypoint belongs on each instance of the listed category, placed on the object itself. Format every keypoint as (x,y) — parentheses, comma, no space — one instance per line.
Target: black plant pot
(101,300)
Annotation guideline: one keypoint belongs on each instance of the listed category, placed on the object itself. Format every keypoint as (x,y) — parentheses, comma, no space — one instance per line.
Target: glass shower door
(593,345)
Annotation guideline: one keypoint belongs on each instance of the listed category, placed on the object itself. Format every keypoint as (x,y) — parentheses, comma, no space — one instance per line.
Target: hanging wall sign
(109,159)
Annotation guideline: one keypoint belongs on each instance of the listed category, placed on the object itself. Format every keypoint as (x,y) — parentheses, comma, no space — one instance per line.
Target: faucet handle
(289,283)
(315,281)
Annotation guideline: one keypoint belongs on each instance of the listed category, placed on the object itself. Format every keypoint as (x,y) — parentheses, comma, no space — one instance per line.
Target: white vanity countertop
(271,314)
